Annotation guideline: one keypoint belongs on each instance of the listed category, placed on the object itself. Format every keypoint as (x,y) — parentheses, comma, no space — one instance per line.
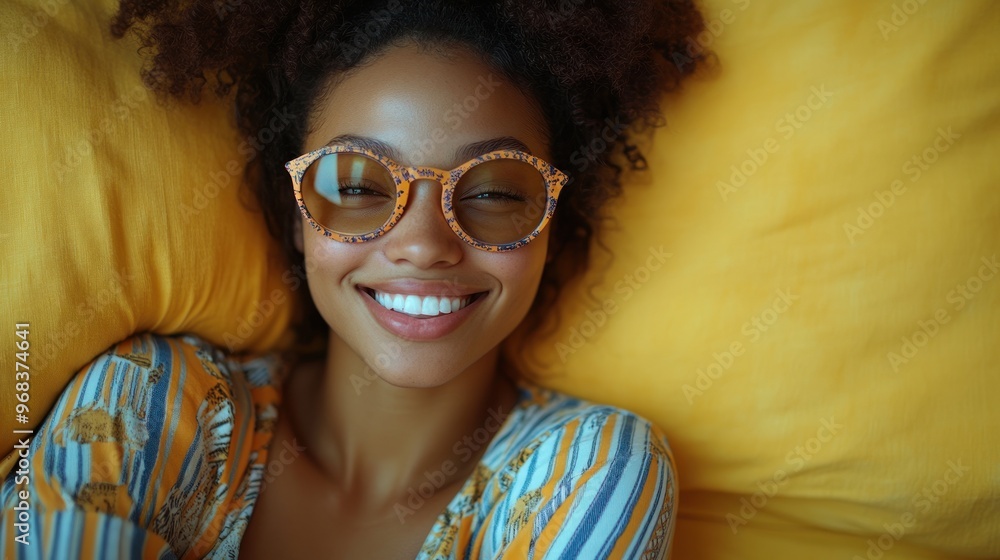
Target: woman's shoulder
(141,386)
(150,355)
(581,479)
(152,426)
(138,387)
(556,422)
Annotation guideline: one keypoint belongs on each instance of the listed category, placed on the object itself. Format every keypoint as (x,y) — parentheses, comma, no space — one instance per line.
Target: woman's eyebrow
(469,151)
(372,144)
(463,154)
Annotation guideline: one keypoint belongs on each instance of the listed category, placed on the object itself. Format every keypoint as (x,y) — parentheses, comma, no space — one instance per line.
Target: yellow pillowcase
(118,215)
(806,294)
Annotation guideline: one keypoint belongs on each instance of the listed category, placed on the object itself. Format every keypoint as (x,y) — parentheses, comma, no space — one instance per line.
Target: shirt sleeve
(621,506)
(132,461)
(63,534)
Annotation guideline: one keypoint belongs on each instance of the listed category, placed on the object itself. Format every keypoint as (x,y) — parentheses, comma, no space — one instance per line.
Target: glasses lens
(349,193)
(500,201)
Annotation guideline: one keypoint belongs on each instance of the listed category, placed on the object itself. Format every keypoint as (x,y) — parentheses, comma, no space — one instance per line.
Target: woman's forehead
(427,107)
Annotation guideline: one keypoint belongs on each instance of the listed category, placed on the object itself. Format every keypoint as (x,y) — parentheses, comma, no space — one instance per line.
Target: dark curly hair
(598,70)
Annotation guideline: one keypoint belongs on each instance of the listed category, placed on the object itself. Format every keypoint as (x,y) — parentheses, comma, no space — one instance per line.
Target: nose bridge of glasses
(423,213)
(421,174)
(423,179)
(424,183)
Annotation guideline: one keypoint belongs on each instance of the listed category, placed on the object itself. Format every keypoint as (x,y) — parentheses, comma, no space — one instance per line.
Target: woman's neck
(376,441)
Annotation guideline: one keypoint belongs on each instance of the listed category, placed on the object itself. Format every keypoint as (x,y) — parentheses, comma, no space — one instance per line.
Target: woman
(414,176)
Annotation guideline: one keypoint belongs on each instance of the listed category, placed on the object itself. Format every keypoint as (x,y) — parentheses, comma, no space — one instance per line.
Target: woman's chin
(409,379)
(421,365)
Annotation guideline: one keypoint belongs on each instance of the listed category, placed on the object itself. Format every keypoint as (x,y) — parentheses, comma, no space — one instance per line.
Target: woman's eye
(493,195)
(496,195)
(359,190)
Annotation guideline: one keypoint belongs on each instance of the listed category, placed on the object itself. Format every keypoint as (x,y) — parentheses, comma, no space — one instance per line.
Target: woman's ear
(297,234)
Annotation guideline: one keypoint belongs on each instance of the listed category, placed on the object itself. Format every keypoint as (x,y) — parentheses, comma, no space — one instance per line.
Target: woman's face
(428,108)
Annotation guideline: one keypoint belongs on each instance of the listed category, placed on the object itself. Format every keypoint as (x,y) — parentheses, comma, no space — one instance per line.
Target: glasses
(498,201)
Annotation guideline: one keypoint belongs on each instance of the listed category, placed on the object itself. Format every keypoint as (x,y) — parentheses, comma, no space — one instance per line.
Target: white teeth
(411,305)
(428,306)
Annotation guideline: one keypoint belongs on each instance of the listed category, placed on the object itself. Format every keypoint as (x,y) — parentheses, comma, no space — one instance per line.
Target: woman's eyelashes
(496,194)
(363,188)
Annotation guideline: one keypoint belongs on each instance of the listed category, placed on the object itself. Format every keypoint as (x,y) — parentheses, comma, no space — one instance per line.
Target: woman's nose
(422,235)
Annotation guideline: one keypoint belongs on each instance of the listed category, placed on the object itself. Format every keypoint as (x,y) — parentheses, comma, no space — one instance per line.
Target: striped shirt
(158,449)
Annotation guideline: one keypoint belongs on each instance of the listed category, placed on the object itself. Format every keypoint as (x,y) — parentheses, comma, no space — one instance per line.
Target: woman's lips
(421,327)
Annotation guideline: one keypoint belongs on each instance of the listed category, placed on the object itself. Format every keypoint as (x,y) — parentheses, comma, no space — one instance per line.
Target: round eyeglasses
(498,201)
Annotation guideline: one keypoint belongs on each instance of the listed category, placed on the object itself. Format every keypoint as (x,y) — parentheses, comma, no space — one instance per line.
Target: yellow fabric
(814,409)
(840,294)
(118,215)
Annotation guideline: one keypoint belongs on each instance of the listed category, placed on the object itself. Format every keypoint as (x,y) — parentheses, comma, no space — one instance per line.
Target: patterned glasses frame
(403,176)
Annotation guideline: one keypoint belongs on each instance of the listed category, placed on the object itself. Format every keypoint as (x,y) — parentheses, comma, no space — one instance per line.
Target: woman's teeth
(420,305)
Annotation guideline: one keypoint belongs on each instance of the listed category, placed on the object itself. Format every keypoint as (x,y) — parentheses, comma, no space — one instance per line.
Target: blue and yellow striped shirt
(158,449)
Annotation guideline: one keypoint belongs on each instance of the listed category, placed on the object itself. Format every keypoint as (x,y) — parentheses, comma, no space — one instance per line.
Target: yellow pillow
(806,294)
(118,215)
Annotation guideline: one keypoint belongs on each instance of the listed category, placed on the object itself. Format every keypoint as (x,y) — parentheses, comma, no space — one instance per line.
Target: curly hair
(597,68)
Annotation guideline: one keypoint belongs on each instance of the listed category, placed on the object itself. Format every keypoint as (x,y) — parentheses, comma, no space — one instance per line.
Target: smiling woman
(424,183)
